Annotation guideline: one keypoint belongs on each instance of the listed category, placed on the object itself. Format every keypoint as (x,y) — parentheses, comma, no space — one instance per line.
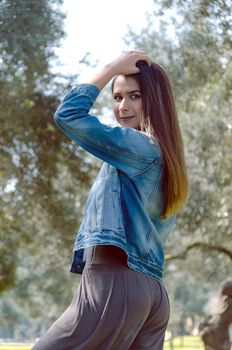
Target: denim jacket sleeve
(126,149)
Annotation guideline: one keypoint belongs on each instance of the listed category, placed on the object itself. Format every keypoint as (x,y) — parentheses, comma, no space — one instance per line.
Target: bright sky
(98,27)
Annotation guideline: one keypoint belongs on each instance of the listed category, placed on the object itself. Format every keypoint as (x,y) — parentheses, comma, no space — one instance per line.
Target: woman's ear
(144,123)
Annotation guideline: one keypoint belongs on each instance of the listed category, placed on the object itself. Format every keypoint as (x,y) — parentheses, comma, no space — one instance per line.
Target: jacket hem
(152,271)
(78,262)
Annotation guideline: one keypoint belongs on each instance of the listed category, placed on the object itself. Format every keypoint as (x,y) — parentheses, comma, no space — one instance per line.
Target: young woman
(121,302)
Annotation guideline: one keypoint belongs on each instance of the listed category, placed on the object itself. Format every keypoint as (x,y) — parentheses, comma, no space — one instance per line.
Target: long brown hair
(160,120)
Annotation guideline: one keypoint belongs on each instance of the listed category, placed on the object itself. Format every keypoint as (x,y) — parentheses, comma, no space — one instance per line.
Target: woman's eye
(135,96)
(117,98)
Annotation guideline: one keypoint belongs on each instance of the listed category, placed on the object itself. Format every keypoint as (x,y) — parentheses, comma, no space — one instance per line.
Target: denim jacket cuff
(90,90)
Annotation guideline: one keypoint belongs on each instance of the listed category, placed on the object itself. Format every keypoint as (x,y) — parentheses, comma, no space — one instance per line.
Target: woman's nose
(123,105)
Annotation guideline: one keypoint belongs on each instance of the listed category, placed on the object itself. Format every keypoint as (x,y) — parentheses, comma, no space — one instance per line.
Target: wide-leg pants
(114,308)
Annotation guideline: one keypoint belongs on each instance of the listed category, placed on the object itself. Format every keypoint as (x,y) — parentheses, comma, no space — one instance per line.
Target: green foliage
(194,45)
(29,31)
(43,176)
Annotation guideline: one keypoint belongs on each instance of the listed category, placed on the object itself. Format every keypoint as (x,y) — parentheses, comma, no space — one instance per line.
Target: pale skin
(127,100)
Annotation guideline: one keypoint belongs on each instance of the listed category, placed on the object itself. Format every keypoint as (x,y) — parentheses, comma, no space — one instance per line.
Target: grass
(184,343)
(179,343)
(15,347)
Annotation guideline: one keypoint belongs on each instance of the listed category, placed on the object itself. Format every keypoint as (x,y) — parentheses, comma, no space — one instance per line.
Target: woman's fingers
(146,58)
(142,55)
(126,63)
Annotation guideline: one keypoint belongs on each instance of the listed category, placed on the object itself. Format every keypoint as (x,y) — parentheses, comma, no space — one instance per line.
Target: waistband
(106,255)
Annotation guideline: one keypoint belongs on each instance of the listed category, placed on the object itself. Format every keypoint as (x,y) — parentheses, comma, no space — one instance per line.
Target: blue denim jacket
(125,202)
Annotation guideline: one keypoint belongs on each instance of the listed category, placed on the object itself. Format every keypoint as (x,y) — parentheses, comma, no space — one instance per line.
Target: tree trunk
(214,329)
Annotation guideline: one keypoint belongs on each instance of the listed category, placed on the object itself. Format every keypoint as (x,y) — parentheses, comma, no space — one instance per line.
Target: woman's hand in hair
(124,64)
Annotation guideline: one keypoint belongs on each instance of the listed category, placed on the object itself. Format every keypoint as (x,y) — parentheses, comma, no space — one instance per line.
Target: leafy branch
(203,246)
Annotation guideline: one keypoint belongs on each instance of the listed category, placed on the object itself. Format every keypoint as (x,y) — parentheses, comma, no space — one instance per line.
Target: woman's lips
(127,118)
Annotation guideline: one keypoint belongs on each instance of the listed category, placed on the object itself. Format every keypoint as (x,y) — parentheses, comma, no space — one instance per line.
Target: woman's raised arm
(124,64)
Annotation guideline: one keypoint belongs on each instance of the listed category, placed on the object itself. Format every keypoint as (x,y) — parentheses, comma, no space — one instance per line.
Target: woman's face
(127,102)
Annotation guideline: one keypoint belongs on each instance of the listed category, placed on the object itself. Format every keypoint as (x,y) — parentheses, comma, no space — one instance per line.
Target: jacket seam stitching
(107,147)
(155,162)
(80,91)
(154,188)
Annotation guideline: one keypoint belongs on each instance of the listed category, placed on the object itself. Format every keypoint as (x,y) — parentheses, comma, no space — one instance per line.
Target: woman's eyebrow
(128,92)
(133,91)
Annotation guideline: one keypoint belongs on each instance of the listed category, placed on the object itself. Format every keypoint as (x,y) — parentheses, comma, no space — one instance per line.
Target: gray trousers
(114,308)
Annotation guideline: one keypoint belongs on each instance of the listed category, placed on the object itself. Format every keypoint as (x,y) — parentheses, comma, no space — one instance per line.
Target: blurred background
(45,48)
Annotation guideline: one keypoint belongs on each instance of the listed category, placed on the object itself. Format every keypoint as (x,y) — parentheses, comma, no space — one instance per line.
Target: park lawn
(15,347)
(179,343)
(184,343)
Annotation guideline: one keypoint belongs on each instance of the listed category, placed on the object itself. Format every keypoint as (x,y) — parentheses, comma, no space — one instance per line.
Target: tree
(43,176)
(193,44)
(214,329)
